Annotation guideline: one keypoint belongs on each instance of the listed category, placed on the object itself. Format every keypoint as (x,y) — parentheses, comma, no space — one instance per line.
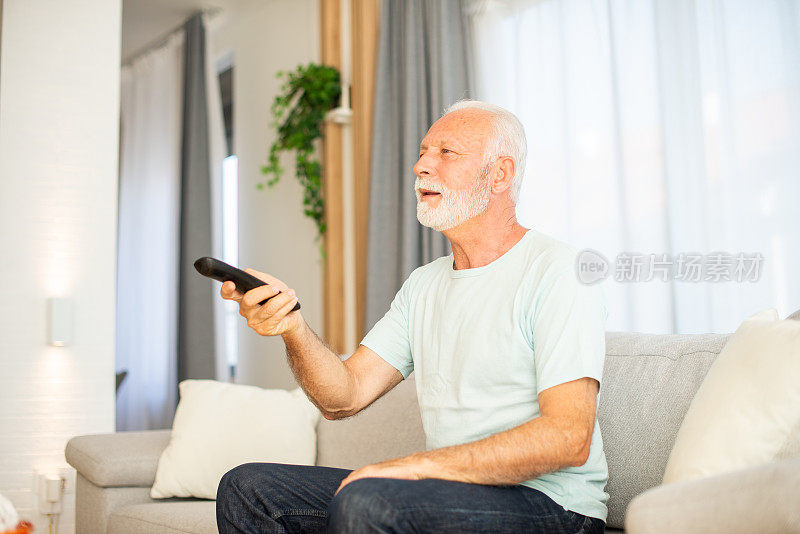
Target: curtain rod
(210,12)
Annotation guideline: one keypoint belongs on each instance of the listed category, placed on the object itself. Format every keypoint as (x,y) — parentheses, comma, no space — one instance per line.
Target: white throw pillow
(219,426)
(747,407)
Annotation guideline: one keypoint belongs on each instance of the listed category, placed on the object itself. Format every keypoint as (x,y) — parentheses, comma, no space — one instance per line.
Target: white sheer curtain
(148,234)
(147,269)
(658,127)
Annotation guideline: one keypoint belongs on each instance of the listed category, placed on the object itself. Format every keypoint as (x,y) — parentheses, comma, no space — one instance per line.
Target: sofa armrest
(763,498)
(120,459)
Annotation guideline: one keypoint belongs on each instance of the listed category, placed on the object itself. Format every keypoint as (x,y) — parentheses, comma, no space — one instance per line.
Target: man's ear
(504,174)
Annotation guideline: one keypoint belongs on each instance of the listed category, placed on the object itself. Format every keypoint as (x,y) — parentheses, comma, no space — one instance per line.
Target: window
(230,216)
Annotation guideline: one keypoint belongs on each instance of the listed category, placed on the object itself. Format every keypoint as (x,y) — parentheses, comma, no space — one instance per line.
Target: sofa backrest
(648,382)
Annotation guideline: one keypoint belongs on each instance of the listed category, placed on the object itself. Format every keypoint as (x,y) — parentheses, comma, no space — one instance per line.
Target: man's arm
(560,437)
(338,388)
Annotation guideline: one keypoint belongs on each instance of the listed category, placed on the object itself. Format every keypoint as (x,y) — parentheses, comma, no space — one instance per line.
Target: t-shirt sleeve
(390,337)
(567,330)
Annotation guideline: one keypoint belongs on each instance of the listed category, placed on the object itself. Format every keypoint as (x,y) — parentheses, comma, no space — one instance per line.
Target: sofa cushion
(389,428)
(196,516)
(748,405)
(120,459)
(649,381)
(219,426)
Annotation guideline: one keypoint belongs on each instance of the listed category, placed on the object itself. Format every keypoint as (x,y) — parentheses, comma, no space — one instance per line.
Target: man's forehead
(468,130)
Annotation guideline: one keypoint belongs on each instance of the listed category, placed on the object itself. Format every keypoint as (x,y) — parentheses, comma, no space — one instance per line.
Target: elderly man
(508,349)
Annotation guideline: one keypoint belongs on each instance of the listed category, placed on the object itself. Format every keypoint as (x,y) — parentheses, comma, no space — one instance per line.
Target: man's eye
(446,151)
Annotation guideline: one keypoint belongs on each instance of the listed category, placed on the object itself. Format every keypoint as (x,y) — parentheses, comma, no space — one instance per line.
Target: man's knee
(254,483)
(236,482)
(362,505)
(245,498)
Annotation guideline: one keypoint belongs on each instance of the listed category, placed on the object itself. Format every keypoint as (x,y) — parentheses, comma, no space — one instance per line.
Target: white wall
(59,87)
(274,234)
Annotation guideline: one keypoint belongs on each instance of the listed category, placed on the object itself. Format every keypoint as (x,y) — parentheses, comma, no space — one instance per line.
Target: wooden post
(365,25)
(333,316)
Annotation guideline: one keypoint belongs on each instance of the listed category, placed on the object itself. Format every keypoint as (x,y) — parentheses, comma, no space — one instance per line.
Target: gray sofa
(648,382)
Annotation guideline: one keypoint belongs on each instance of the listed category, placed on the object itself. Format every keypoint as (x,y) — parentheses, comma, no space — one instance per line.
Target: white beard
(455,207)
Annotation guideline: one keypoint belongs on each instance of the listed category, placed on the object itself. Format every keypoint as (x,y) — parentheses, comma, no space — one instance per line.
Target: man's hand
(408,467)
(275,316)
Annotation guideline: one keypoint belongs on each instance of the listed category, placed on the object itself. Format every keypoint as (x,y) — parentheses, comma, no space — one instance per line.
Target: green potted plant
(298,112)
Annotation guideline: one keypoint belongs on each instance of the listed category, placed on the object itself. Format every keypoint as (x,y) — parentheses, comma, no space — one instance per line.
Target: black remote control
(219,270)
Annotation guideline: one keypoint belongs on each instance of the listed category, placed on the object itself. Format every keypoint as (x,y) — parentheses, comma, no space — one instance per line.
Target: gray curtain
(424,65)
(196,312)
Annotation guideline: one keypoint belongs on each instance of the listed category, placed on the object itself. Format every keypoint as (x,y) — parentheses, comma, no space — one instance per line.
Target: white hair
(508,138)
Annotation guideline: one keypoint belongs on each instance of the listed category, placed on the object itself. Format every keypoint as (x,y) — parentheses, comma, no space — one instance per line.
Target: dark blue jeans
(269,497)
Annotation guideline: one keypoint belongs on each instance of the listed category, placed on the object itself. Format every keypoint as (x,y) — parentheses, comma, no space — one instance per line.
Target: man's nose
(425,166)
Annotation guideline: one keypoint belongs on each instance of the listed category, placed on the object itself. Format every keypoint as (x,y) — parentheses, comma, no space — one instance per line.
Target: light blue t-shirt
(485,341)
